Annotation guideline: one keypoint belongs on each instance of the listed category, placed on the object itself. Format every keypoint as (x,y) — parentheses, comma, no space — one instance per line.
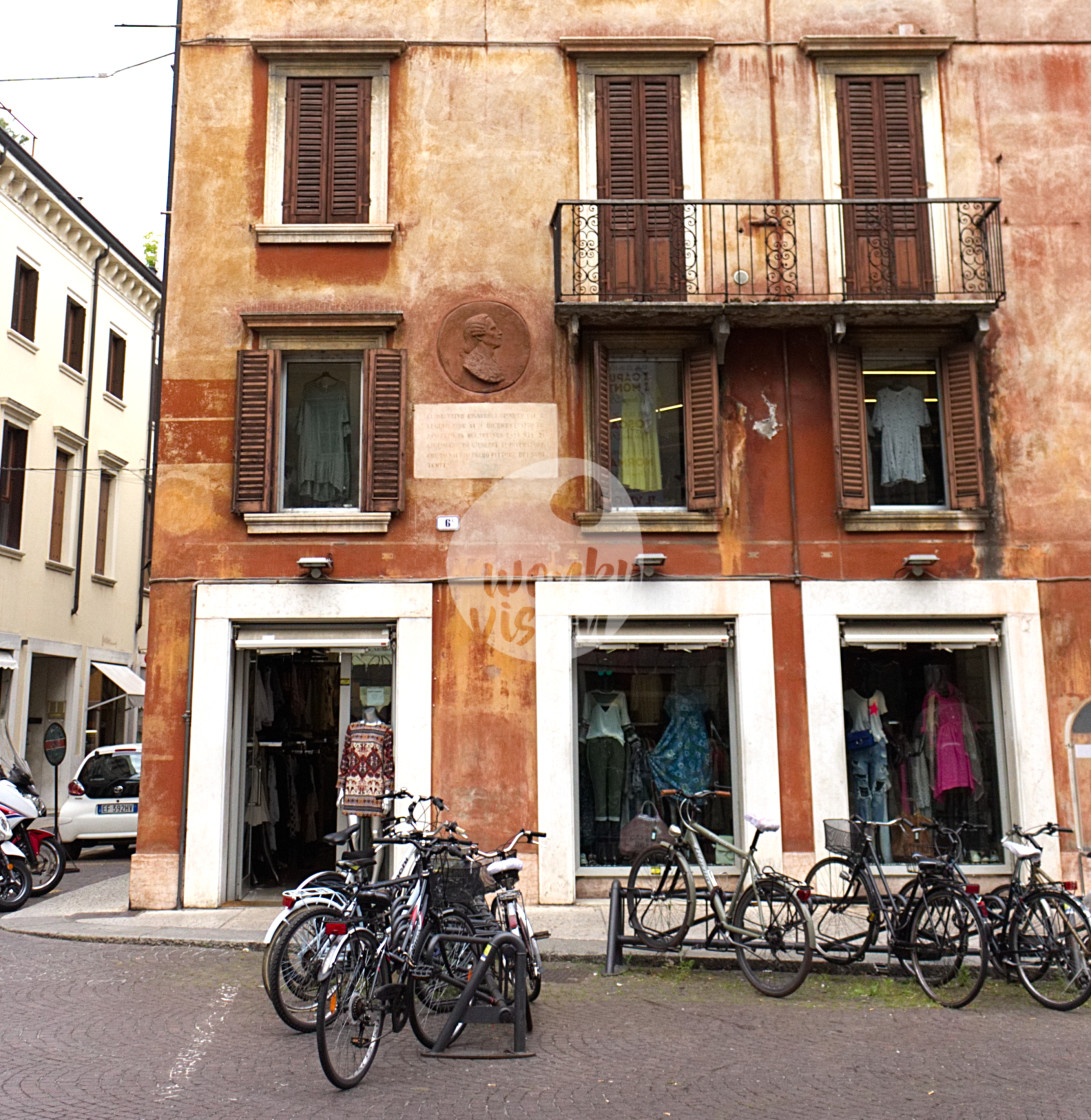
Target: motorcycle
(14,873)
(20,804)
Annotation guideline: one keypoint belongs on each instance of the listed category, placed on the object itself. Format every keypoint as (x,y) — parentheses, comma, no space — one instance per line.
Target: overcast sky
(105,138)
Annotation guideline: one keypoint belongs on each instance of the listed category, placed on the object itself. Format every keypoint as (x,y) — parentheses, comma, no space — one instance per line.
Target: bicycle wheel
(947,947)
(440,977)
(774,945)
(351,1024)
(1050,946)
(297,956)
(661,897)
(844,926)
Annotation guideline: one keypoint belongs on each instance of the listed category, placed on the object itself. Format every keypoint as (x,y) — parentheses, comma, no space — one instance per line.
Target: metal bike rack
(617,939)
(465,1012)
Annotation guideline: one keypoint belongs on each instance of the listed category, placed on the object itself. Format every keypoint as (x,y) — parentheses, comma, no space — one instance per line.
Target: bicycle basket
(455,882)
(845,838)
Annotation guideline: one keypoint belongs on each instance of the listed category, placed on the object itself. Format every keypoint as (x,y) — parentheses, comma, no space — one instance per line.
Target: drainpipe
(150,452)
(87,429)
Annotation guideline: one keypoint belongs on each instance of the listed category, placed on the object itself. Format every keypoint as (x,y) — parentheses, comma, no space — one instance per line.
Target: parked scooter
(14,872)
(41,851)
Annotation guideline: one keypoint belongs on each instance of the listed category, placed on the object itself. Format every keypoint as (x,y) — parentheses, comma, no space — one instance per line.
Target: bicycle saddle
(1022,851)
(762,824)
(499,866)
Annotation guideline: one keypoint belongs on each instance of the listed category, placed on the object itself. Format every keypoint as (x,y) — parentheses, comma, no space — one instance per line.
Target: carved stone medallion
(484,346)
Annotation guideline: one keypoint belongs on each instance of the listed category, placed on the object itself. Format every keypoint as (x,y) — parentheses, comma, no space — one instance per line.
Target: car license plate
(116,808)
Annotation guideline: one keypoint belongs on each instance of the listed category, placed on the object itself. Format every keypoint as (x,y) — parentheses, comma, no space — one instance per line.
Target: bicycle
(1044,928)
(764,920)
(510,913)
(414,973)
(931,925)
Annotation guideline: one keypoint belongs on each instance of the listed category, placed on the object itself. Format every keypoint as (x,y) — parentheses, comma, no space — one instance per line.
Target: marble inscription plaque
(483,440)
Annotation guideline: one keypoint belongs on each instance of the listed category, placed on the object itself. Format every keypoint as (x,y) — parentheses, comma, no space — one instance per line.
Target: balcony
(878,261)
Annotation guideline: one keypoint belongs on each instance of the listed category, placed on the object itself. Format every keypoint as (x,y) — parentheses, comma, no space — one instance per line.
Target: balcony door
(887,245)
(639,156)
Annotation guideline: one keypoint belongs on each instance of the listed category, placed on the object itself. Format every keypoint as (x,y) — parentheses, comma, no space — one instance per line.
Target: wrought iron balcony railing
(823,251)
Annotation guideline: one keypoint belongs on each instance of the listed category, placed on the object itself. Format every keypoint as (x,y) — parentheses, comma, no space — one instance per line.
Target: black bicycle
(932,926)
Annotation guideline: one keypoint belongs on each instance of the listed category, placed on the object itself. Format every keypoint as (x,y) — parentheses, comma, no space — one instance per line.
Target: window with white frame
(327,142)
(67,458)
(106,522)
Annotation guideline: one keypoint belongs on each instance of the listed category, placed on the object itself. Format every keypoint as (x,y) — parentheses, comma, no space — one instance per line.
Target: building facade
(75,398)
(617,398)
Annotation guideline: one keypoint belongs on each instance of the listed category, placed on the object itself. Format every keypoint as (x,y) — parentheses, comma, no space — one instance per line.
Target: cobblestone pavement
(144,1032)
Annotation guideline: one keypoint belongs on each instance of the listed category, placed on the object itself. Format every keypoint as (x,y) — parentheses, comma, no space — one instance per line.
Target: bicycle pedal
(541,935)
(422,971)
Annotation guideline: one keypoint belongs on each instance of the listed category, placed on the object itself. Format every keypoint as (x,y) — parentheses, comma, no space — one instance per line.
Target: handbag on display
(859,740)
(641,831)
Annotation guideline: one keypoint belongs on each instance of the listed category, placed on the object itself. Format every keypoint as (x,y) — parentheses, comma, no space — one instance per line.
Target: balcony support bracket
(573,338)
(721,331)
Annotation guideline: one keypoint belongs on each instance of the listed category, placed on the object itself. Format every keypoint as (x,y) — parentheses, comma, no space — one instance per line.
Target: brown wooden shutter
(255,431)
(702,425)
(888,246)
(327,150)
(384,422)
(850,447)
(105,489)
(639,138)
(962,428)
(24,309)
(597,498)
(60,493)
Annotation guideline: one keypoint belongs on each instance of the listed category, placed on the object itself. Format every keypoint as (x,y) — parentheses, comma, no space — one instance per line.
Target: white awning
(281,638)
(899,633)
(601,633)
(129,682)
(8,659)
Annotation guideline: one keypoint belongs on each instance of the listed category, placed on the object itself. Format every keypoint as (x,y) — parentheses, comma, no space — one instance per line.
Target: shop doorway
(295,702)
(655,708)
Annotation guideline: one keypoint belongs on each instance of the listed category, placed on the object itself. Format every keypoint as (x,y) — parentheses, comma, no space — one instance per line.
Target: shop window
(24,304)
(320,430)
(652,716)
(923,740)
(907,428)
(655,425)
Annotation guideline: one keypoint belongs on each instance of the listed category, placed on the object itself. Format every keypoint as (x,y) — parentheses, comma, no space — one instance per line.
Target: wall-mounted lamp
(315,566)
(917,563)
(646,564)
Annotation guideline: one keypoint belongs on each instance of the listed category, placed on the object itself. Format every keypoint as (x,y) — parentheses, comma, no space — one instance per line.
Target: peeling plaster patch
(769,426)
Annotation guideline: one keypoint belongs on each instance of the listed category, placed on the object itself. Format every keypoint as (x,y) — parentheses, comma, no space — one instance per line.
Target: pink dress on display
(952,762)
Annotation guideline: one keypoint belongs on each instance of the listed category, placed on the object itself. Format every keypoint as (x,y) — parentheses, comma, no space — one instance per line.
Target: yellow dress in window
(638,466)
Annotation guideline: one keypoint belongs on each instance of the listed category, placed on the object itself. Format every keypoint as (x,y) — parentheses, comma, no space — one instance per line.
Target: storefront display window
(652,716)
(921,734)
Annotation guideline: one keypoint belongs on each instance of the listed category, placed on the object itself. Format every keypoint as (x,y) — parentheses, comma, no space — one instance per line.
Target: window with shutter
(24,304)
(655,425)
(75,318)
(887,245)
(327,153)
(115,366)
(13,462)
(320,431)
(907,429)
(61,470)
(639,136)
(102,536)
(327,143)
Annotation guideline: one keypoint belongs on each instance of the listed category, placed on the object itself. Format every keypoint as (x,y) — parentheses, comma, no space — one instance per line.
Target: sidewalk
(99,912)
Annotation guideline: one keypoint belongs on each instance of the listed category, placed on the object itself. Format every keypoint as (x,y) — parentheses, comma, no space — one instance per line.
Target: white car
(103,800)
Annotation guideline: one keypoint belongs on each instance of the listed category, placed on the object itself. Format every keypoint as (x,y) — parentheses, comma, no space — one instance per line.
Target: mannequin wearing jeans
(869,773)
